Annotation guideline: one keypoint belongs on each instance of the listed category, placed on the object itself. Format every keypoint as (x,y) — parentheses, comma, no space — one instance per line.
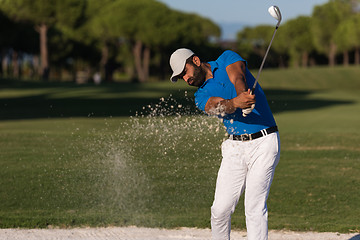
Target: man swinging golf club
(252,152)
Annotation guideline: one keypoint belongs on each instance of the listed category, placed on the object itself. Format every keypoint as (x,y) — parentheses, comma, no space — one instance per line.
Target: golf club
(275,13)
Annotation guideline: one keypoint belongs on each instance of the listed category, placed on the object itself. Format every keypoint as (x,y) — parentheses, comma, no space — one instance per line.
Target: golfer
(252,151)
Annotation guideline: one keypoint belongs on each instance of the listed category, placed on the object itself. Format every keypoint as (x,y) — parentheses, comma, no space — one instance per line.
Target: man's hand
(244,100)
(247,111)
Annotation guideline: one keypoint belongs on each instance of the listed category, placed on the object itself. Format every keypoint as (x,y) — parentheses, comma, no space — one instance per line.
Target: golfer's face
(188,74)
(193,75)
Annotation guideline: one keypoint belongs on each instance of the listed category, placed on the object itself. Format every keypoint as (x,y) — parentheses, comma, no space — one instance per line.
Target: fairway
(141,154)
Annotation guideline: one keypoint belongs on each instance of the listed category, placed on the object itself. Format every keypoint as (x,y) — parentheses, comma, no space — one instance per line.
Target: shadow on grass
(123,99)
(297,100)
(357,237)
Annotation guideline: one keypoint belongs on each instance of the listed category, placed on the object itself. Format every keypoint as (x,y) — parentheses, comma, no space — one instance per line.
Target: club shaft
(263,61)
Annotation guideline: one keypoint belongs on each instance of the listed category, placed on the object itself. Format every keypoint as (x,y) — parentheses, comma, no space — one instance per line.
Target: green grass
(73,156)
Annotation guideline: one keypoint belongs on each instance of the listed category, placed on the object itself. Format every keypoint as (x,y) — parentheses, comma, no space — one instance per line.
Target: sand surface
(136,233)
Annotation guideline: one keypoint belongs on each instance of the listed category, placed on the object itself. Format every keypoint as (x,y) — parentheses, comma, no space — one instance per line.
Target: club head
(275,13)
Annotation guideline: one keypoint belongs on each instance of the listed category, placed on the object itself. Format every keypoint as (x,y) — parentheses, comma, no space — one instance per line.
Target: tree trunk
(42,29)
(332,55)
(357,56)
(104,62)
(346,58)
(137,51)
(281,62)
(2,65)
(15,64)
(305,59)
(163,65)
(312,62)
(295,62)
(104,56)
(35,67)
(146,63)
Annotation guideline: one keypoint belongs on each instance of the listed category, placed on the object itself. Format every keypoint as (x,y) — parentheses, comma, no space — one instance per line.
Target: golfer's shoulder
(227,54)
(229,57)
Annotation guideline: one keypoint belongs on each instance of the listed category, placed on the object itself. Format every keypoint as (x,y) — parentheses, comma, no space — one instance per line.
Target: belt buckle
(245,137)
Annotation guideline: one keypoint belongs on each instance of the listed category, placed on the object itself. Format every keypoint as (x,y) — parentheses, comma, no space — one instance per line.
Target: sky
(233,15)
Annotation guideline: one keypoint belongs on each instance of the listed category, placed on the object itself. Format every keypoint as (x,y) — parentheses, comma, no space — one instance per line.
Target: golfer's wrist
(228,105)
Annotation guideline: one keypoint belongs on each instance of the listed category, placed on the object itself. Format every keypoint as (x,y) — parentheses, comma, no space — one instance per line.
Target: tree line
(93,35)
(134,38)
(331,35)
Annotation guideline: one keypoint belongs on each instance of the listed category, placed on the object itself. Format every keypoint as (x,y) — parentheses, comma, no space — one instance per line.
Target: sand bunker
(135,233)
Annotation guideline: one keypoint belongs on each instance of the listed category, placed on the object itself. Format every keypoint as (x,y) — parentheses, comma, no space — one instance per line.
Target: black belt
(247,137)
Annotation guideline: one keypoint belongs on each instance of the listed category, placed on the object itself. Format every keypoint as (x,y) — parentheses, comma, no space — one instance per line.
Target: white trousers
(246,166)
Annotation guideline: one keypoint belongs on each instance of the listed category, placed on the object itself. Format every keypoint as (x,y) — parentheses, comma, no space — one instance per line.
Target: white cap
(178,60)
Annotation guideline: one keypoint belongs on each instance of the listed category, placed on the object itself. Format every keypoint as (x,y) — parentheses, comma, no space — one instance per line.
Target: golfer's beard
(199,77)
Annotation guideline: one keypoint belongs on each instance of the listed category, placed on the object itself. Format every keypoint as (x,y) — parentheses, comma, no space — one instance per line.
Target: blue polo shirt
(221,86)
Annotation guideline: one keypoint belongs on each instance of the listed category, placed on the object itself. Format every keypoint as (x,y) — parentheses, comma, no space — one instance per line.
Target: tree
(145,25)
(343,39)
(44,14)
(325,20)
(297,40)
(347,38)
(356,37)
(253,42)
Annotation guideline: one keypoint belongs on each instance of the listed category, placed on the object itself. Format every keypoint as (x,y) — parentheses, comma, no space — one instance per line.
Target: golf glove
(247,111)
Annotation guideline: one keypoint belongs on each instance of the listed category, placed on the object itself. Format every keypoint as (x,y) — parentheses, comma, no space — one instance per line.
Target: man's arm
(218,105)
(243,100)
(236,73)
